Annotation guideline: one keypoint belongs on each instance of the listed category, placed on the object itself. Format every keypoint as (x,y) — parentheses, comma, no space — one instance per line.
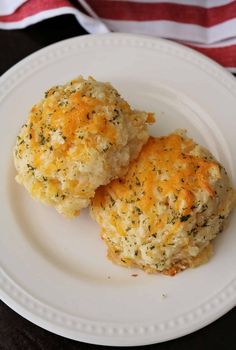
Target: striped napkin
(208,26)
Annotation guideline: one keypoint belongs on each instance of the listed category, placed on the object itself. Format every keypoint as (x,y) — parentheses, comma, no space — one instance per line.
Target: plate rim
(119,336)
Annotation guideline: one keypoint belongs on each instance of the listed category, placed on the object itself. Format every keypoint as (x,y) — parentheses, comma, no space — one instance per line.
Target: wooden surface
(16,333)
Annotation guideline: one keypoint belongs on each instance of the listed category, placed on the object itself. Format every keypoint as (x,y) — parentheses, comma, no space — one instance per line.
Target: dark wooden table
(16,333)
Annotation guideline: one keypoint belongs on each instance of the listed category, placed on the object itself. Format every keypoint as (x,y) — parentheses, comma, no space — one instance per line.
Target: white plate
(54,271)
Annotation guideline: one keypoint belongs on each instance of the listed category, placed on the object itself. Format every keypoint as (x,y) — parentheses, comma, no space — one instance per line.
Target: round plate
(54,271)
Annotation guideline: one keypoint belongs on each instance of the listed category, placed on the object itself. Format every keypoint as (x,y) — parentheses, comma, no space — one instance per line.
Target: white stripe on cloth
(90,24)
(202,3)
(174,30)
(232,70)
(93,14)
(223,43)
(7,7)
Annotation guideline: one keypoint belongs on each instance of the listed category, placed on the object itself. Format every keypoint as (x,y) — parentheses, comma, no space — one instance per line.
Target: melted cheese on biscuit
(81,135)
(162,215)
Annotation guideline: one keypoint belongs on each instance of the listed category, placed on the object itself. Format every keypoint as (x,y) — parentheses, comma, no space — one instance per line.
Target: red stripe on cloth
(225,55)
(32,7)
(138,11)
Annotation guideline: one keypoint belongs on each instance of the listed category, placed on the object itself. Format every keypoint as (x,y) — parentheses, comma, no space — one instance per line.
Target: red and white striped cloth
(209,26)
